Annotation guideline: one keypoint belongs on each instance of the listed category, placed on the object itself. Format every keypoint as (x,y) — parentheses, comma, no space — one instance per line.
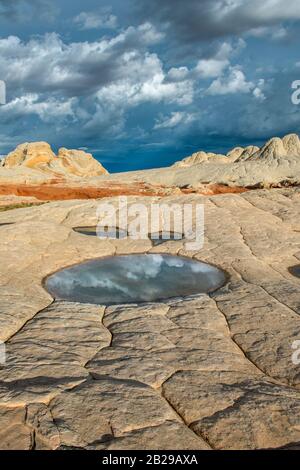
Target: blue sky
(141,84)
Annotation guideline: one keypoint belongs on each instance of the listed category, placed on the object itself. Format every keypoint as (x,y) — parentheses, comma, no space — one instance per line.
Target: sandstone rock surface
(210,371)
(34,170)
(274,149)
(276,164)
(39,156)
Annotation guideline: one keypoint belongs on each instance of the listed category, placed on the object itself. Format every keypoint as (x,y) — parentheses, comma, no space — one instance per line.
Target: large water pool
(133,279)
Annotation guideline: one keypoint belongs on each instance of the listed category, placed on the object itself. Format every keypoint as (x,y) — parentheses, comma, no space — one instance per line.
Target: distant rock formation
(80,163)
(274,149)
(201,157)
(276,164)
(240,153)
(39,156)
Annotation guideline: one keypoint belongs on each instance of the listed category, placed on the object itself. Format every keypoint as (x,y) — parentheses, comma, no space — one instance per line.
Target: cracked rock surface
(204,372)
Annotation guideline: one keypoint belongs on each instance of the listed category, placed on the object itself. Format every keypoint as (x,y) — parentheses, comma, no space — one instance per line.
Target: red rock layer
(57,191)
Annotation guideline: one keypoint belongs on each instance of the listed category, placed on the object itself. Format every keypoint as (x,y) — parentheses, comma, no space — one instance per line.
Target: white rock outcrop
(274,149)
(39,156)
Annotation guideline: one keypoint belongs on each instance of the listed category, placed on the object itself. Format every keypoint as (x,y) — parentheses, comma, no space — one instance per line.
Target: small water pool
(108,232)
(118,233)
(133,279)
(162,237)
(295,270)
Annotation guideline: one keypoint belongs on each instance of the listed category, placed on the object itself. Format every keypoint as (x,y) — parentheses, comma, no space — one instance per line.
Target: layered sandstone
(209,371)
(33,169)
(275,164)
(80,163)
(39,156)
(274,149)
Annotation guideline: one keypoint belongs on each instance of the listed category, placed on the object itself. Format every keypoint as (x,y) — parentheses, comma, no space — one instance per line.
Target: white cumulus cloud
(93,20)
(176,118)
(233,82)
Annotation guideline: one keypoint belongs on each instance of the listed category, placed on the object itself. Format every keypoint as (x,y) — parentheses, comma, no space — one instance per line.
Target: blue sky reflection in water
(133,278)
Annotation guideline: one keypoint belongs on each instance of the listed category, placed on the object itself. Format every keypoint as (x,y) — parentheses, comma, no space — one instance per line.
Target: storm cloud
(117,78)
(196,20)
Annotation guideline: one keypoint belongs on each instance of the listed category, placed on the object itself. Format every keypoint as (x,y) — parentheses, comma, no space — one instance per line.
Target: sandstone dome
(276,149)
(39,156)
(201,157)
(80,163)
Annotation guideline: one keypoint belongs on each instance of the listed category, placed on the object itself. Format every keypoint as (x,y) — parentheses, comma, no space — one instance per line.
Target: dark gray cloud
(93,84)
(148,86)
(195,20)
(48,64)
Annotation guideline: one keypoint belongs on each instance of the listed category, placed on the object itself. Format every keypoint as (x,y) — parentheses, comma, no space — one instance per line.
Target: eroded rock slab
(209,371)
